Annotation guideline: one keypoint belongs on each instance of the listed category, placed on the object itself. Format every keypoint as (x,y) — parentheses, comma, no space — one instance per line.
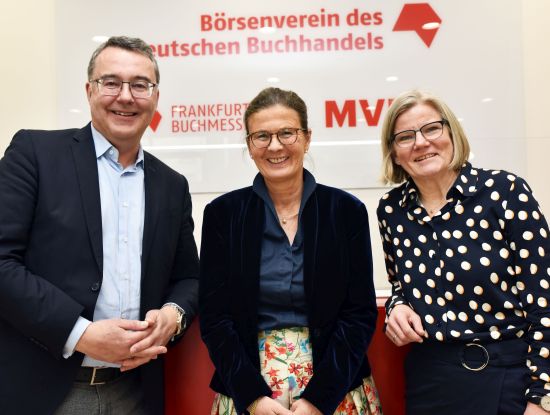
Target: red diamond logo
(155,121)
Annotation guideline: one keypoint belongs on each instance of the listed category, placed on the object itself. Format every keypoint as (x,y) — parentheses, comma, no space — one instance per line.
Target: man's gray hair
(132,44)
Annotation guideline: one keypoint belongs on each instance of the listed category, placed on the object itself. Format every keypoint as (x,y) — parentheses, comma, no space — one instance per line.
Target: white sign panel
(346,59)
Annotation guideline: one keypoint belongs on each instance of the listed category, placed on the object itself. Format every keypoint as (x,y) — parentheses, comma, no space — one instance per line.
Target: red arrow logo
(155,121)
(421,18)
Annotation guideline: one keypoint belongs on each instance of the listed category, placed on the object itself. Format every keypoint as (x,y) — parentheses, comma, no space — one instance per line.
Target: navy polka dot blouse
(479,269)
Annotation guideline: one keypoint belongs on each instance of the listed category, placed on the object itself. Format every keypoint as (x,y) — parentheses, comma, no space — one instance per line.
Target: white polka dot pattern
(479,268)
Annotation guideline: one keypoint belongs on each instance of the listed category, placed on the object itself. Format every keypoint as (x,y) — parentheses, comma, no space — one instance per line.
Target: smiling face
(122,119)
(425,159)
(278,163)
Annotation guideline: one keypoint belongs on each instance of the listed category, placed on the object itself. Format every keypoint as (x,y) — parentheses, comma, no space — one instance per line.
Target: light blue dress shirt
(122,196)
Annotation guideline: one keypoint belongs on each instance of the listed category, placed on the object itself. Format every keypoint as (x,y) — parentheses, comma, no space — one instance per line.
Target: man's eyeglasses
(431,131)
(286,136)
(112,86)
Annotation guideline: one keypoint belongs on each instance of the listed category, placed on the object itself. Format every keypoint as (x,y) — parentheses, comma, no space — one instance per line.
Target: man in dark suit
(98,265)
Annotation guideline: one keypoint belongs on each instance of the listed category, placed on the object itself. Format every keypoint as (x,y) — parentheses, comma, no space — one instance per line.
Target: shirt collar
(466,182)
(464,186)
(102,146)
(259,187)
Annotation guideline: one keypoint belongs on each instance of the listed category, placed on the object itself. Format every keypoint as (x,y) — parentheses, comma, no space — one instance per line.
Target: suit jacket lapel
(85,161)
(310,231)
(153,191)
(251,245)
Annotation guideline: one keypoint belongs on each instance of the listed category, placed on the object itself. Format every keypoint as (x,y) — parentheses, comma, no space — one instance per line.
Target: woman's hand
(268,406)
(404,326)
(533,409)
(304,407)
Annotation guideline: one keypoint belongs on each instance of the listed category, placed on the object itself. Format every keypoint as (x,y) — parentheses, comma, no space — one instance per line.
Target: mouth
(124,114)
(425,157)
(277,160)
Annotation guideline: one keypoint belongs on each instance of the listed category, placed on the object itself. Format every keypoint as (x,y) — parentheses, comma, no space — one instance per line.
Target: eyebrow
(422,126)
(282,128)
(135,78)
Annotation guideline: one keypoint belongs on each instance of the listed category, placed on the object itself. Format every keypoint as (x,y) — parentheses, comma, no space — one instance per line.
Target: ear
(157,99)
(307,141)
(88,90)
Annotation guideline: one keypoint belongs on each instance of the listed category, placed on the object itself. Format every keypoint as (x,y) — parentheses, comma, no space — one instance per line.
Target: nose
(420,140)
(125,93)
(274,144)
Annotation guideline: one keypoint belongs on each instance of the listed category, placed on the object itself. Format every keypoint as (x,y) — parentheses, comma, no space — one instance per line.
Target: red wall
(188,372)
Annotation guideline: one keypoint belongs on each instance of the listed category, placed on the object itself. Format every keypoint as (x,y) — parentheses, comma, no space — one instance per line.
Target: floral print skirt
(286,360)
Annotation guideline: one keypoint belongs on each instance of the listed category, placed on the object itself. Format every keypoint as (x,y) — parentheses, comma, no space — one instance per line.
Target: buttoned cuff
(76,333)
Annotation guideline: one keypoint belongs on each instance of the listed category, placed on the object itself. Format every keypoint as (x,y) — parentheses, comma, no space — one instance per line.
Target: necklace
(432,208)
(285,219)
(437,207)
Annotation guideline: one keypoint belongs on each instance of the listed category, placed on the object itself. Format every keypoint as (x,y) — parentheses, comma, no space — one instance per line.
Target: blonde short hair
(393,173)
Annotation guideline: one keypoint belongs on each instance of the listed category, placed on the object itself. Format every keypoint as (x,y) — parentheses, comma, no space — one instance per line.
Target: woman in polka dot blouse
(466,252)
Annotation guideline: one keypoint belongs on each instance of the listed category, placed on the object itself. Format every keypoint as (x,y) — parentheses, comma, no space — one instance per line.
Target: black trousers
(437,382)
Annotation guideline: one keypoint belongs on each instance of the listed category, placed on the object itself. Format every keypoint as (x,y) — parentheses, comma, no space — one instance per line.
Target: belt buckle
(92,381)
(483,364)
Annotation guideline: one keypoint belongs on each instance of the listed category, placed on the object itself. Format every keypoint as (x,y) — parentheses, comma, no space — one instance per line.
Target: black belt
(97,376)
(476,356)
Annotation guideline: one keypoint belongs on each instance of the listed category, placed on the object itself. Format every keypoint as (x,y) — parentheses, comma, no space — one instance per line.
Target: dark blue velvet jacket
(340,296)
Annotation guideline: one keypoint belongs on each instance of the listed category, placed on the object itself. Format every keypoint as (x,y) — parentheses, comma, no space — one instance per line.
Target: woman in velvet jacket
(287,303)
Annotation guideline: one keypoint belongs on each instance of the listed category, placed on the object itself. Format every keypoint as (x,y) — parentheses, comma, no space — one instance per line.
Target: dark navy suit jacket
(51,261)
(338,280)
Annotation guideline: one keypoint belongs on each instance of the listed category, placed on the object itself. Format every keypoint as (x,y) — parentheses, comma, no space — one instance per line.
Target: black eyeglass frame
(442,121)
(277,133)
